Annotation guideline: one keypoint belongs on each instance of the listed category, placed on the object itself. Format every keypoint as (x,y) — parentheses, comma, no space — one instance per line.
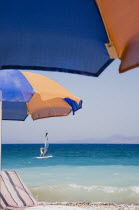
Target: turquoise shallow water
(90,173)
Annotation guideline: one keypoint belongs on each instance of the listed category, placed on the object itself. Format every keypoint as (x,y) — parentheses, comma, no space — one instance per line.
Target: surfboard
(49,156)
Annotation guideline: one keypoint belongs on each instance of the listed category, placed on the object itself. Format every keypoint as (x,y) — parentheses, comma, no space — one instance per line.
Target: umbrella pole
(0,136)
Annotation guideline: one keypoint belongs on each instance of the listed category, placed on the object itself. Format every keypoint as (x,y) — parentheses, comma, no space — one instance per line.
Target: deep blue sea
(77,172)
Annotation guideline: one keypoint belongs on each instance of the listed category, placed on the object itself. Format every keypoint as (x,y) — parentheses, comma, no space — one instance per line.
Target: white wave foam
(83,193)
(58,207)
(135,189)
(88,188)
(107,189)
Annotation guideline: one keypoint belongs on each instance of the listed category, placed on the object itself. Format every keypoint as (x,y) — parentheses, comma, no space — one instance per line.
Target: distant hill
(116,139)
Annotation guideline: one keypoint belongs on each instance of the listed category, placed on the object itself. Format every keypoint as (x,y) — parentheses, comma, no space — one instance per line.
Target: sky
(110,112)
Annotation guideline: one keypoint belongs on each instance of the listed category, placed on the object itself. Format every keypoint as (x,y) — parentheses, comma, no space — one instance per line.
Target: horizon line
(71,143)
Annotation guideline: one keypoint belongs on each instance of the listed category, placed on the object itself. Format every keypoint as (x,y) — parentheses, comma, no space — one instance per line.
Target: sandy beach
(87,206)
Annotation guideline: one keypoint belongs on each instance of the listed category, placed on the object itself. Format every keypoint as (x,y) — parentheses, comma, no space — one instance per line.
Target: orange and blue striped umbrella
(24,93)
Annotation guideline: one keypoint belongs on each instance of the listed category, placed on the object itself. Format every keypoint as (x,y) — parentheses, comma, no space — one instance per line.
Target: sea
(77,172)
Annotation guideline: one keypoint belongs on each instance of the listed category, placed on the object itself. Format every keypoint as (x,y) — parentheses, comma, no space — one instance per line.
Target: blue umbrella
(53,35)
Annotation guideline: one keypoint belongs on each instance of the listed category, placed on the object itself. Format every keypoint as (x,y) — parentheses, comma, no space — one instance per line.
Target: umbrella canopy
(121,19)
(24,93)
(51,35)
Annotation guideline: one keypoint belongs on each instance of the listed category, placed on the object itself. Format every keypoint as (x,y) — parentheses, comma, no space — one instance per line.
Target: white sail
(46,145)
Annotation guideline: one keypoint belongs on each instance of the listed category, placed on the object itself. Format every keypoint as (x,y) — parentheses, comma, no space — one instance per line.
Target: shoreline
(84,205)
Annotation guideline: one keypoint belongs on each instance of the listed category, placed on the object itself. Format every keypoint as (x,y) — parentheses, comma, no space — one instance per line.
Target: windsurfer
(41,151)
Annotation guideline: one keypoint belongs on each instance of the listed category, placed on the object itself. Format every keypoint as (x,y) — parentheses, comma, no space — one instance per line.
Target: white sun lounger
(13,192)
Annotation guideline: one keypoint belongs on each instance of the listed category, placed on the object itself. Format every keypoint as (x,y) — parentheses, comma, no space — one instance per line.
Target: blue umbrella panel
(53,35)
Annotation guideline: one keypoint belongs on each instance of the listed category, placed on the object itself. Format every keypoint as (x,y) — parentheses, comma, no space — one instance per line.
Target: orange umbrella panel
(121,20)
(51,99)
(51,108)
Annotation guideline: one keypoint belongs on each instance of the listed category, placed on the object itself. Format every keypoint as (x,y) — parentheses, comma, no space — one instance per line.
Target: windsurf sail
(46,145)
